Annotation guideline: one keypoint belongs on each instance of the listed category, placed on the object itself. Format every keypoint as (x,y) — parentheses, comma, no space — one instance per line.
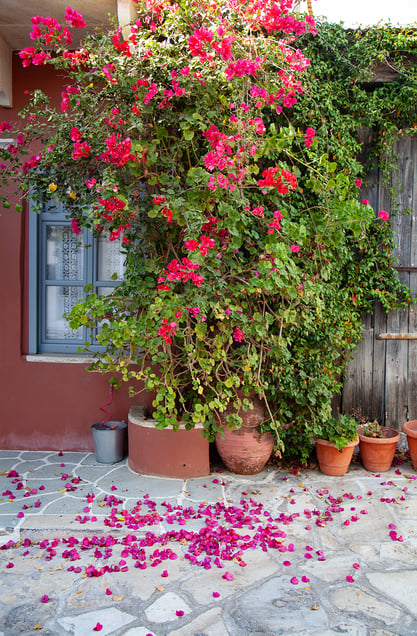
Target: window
(60,265)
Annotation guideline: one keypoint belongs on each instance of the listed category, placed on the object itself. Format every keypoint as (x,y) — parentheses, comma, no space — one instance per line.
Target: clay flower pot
(377,453)
(246,450)
(180,454)
(332,461)
(410,429)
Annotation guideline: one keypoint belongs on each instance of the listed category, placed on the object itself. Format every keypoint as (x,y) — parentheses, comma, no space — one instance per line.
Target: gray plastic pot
(109,442)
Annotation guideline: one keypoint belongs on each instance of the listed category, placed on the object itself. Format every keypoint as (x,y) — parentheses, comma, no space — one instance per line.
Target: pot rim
(380,440)
(410,428)
(325,442)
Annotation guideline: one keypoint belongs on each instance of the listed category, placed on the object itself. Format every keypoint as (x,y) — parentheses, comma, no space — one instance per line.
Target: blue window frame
(60,265)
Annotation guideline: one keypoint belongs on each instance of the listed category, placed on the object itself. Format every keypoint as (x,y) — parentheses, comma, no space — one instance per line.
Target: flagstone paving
(89,548)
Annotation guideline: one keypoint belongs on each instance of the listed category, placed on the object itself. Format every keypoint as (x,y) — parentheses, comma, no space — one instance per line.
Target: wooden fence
(381,381)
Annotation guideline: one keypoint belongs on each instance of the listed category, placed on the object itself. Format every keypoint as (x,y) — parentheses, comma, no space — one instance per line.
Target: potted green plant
(335,442)
(377,445)
(243,238)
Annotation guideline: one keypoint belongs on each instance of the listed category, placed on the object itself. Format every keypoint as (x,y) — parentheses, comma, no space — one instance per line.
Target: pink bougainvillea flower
(179,613)
(392,526)
(356,566)
(216,594)
(10,565)
(20,515)
(45,598)
(294,580)
(109,592)
(349,579)
(305,579)
(238,334)
(384,216)
(98,627)
(286,563)
(164,573)
(74,18)
(228,576)
(358,183)
(365,201)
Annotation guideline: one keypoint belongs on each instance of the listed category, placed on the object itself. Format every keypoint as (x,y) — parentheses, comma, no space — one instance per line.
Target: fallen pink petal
(294,580)
(45,598)
(98,627)
(349,579)
(179,613)
(228,576)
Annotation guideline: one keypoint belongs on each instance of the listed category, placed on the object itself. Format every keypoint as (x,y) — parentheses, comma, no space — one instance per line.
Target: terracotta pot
(410,429)
(377,453)
(332,461)
(245,451)
(164,452)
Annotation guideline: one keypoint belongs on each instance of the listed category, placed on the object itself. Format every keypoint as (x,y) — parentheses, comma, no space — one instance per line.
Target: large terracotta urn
(245,451)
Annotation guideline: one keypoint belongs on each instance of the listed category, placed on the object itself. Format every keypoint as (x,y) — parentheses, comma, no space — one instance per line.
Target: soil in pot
(377,453)
(332,461)
(410,429)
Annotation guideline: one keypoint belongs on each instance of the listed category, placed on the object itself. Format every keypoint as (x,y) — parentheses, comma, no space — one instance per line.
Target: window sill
(60,358)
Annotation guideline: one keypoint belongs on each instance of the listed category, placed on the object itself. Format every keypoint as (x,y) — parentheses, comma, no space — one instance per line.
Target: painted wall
(43,406)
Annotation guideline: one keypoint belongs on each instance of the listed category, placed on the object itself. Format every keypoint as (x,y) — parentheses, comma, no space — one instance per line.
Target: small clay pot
(332,461)
(410,429)
(377,453)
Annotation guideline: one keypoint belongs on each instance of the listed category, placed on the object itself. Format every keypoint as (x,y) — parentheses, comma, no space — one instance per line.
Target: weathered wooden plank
(396,373)
(412,314)
(369,190)
(403,182)
(413,216)
(357,387)
(377,410)
(412,364)
(411,335)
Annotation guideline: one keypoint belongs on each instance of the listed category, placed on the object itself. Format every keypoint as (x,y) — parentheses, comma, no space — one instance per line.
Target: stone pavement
(92,548)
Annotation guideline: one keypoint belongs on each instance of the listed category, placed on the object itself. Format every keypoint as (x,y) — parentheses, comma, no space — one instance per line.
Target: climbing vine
(229,162)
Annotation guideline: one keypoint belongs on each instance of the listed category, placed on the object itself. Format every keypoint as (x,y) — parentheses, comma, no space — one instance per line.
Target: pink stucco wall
(42,405)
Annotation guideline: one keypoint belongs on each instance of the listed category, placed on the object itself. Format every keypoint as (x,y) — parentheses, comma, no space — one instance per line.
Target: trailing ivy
(358,118)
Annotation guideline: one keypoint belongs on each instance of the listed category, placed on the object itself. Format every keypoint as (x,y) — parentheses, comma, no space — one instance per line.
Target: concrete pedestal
(166,453)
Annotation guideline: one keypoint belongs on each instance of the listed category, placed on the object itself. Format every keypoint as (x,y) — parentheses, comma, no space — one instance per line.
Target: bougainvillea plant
(243,238)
